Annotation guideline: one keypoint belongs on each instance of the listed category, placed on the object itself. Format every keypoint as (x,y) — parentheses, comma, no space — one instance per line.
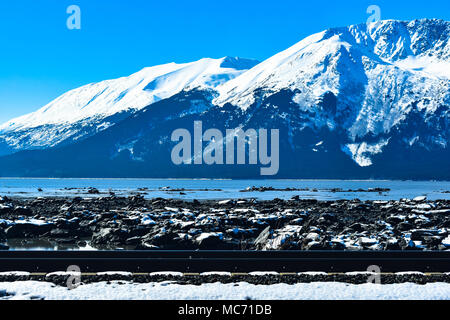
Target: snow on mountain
(103,99)
(360,101)
(314,63)
(134,92)
(378,72)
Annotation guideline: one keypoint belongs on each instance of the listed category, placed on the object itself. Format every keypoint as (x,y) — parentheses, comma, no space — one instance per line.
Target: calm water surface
(195,189)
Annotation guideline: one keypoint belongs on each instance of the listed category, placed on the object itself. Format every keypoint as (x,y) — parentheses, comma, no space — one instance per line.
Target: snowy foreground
(233,291)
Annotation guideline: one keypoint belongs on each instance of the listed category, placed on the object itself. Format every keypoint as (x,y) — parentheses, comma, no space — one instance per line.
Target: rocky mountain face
(365,101)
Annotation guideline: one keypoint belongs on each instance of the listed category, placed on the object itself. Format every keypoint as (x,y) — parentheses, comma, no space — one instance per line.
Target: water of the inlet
(224,189)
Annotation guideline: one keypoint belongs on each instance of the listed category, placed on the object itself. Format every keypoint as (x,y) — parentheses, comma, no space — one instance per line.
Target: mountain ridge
(360,101)
(94,103)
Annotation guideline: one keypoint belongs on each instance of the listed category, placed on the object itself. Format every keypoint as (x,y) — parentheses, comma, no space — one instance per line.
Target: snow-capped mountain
(317,63)
(378,72)
(364,101)
(91,108)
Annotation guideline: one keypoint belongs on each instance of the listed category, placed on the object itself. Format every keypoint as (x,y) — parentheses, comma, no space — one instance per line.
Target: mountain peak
(419,46)
(364,89)
(134,92)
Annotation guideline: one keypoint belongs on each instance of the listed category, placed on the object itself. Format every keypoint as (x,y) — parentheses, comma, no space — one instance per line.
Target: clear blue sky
(41,59)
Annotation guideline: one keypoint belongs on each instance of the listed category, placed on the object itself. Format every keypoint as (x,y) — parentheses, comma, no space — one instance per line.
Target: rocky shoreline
(246,224)
(61,278)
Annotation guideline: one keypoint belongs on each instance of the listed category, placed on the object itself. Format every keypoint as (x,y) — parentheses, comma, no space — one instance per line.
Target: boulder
(331,217)
(93,191)
(312,245)
(404,226)
(392,245)
(110,236)
(358,227)
(419,235)
(23,211)
(209,241)
(27,230)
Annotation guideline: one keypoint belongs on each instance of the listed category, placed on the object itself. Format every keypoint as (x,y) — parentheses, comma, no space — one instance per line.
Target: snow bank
(232,291)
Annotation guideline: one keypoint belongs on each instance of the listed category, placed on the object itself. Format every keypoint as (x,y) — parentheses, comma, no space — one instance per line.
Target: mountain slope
(140,146)
(365,101)
(378,73)
(92,108)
